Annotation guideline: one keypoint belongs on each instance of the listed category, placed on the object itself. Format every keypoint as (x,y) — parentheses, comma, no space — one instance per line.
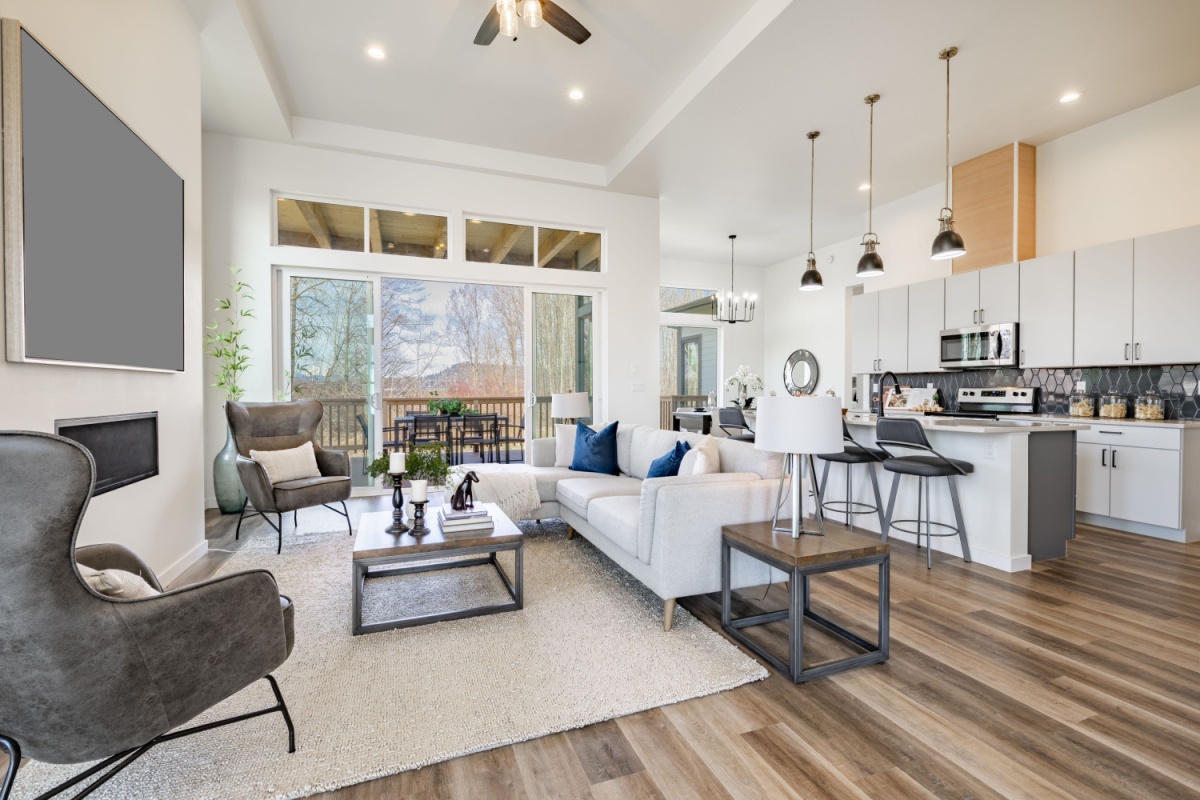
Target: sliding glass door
(562,329)
(329,354)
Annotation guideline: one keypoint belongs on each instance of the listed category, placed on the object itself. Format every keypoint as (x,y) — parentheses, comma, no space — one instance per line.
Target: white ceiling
(703,103)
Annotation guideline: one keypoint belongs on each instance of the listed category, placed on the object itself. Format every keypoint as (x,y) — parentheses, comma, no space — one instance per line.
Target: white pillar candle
(396,463)
(419,491)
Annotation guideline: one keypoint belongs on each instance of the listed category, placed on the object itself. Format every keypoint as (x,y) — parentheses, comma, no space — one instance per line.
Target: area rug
(588,646)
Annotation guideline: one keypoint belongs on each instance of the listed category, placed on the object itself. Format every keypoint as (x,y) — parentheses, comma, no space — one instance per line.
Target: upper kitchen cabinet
(1103,310)
(983,297)
(1047,333)
(864,332)
(879,331)
(1166,274)
(926,321)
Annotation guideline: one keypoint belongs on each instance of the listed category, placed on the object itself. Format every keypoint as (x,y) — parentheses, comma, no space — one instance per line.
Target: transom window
(494,242)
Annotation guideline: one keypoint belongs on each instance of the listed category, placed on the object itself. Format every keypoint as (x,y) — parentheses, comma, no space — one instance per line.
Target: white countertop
(980,426)
(1152,423)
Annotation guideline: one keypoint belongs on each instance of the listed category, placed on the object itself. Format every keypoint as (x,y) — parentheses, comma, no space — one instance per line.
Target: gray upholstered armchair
(84,676)
(281,426)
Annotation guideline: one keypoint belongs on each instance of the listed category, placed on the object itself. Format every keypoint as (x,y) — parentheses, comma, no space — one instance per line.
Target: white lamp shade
(809,425)
(573,404)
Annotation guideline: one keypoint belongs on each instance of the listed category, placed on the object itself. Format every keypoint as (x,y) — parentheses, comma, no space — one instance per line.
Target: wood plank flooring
(1080,679)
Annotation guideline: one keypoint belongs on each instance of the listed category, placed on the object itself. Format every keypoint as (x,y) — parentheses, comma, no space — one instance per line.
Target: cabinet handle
(1137,352)
(1022,358)
(981,316)
(1127,351)
(1114,459)
(975,317)
(1103,454)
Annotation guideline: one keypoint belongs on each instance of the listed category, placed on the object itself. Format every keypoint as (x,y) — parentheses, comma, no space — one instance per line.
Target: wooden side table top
(838,544)
(372,542)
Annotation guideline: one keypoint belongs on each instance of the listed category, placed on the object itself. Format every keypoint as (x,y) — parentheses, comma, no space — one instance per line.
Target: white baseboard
(1140,528)
(988,558)
(168,576)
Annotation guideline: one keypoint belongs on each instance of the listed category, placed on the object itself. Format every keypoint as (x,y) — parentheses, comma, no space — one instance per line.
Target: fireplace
(125,446)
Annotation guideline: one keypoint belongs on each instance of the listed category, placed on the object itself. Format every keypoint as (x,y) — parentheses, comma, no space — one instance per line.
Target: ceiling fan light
(502,5)
(870,265)
(508,21)
(811,280)
(531,12)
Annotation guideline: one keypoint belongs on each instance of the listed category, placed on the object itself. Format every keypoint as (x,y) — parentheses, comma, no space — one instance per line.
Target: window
(685,301)
(407,233)
(328,226)
(511,243)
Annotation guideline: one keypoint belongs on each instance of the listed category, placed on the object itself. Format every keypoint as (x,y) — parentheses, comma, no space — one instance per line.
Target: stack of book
(468,521)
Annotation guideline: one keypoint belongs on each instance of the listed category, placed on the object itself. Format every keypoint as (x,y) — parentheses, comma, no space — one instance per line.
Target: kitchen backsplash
(1178,385)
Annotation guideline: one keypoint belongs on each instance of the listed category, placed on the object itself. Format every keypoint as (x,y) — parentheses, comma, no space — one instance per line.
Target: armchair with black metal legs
(282,426)
(481,432)
(733,422)
(85,677)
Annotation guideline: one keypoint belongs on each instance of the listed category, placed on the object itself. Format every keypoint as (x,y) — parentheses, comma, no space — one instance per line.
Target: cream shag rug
(587,647)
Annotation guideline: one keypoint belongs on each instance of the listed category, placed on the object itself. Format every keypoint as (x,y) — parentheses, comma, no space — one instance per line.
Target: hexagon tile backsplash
(1178,385)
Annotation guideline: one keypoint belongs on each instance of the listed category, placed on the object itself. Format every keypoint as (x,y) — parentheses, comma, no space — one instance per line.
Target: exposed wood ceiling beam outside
(316,222)
(508,237)
(439,231)
(376,236)
(556,246)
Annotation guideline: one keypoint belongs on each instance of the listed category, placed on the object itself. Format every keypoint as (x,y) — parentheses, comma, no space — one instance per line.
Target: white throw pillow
(564,445)
(288,465)
(117,583)
(703,459)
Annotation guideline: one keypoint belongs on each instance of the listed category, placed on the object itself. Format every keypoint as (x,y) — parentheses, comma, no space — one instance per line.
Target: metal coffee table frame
(487,553)
(799,610)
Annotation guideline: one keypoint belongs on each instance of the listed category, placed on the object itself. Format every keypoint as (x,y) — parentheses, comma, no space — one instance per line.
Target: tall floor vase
(227,484)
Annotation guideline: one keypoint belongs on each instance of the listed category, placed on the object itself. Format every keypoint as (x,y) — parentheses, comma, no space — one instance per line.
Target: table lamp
(799,426)
(570,405)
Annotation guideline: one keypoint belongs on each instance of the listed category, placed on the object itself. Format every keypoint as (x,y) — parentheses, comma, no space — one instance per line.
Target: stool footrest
(896,524)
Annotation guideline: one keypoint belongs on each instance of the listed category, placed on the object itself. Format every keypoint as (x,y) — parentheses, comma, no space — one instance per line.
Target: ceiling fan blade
(564,23)
(490,27)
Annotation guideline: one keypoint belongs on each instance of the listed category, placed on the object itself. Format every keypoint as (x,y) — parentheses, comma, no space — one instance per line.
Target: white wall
(1128,176)
(142,58)
(740,343)
(241,174)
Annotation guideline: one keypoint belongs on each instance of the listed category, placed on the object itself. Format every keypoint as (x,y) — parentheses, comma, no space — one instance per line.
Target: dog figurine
(464,495)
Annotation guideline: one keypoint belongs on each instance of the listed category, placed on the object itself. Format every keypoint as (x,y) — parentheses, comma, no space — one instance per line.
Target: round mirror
(800,373)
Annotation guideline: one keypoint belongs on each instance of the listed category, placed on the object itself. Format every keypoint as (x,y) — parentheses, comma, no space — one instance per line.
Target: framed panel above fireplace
(124,447)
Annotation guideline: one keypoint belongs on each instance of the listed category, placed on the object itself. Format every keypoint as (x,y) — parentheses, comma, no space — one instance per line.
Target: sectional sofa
(666,532)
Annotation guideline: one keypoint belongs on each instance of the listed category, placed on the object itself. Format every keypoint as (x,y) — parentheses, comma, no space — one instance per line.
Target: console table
(802,558)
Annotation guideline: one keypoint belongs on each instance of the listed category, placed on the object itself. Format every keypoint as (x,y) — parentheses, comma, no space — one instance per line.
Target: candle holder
(418,526)
(397,527)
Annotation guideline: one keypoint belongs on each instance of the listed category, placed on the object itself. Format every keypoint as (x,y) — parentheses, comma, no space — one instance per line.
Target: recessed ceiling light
(410,213)
(864,187)
(376,52)
(1070,97)
(576,94)
(475,221)
(487,249)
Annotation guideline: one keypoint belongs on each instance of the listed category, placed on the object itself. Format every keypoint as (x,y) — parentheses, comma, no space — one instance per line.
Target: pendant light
(948,243)
(811,280)
(870,265)
(531,13)
(729,308)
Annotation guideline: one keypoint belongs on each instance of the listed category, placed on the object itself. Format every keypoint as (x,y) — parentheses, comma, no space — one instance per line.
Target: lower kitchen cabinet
(1091,478)
(1145,485)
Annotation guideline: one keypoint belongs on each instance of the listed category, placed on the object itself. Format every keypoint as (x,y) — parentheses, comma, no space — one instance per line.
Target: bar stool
(908,434)
(855,453)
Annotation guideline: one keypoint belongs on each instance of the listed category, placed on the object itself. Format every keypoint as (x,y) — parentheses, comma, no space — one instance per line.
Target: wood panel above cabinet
(995,207)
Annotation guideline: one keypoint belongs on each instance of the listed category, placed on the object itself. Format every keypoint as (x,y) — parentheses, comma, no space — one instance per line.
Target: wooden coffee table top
(838,543)
(372,542)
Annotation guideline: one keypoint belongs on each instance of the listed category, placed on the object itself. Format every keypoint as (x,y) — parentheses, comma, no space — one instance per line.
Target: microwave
(980,346)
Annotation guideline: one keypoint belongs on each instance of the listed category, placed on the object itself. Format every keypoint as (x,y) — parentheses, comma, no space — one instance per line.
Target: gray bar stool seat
(908,434)
(854,454)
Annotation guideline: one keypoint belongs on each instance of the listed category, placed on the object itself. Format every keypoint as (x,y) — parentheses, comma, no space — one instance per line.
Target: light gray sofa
(666,532)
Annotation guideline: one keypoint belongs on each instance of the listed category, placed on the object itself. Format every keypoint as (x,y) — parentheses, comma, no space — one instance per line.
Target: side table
(802,558)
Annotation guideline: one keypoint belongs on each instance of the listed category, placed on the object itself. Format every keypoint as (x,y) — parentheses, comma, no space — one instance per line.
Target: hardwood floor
(1080,679)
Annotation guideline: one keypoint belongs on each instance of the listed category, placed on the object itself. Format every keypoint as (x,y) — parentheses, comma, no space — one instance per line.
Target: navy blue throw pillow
(596,451)
(667,465)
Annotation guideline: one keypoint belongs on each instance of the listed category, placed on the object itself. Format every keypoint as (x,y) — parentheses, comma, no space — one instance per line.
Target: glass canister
(1113,405)
(1082,403)
(1150,405)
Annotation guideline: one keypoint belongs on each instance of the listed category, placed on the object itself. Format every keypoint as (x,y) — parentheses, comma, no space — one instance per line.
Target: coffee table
(802,558)
(378,554)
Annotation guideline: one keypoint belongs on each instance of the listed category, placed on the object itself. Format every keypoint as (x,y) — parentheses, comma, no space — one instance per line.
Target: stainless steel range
(994,402)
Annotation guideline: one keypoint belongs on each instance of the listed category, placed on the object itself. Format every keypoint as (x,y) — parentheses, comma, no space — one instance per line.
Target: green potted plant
(422,463)
(225,344)
(449,406)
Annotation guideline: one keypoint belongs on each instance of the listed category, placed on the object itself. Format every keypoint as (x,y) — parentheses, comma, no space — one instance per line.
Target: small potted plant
(743,383)
(422,463)
(449,406)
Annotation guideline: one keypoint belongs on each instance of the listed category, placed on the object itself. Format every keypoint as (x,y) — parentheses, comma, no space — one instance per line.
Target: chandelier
(730,308)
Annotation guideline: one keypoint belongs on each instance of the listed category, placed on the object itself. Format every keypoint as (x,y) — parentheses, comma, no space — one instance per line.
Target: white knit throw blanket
(508,486)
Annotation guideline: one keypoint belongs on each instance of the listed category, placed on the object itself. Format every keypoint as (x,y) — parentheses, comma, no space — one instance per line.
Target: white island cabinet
(1018,505)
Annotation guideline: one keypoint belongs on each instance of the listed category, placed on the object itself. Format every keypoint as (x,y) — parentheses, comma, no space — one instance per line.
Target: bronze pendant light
(948,243)
(811,280)
(870,265)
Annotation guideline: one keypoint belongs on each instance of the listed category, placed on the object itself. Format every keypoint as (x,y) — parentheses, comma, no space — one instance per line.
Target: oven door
(981,346)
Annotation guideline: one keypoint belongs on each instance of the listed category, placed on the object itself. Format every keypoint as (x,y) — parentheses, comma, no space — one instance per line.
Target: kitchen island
(1019,503)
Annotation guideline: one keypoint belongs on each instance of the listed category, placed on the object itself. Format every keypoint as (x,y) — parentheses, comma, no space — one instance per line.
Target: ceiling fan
(502,19)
